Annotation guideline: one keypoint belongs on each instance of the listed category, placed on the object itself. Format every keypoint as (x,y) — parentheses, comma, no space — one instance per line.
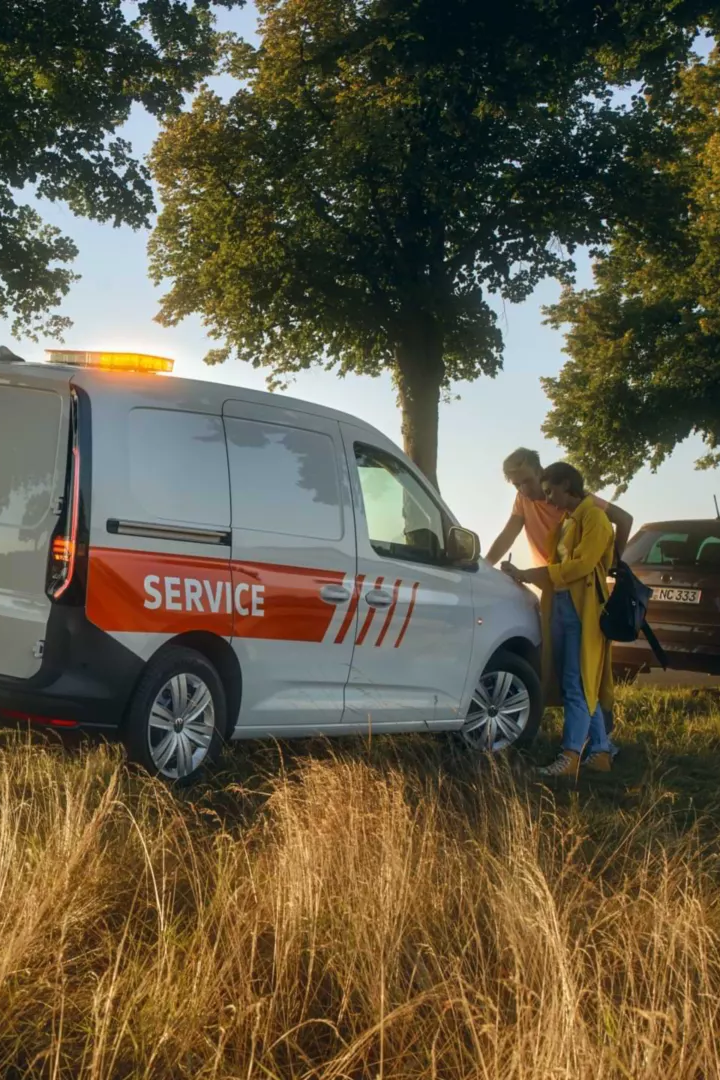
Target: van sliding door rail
(219,537)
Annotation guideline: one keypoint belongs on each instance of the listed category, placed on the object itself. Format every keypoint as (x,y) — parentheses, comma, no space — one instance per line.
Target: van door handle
(335,594)
(378,598)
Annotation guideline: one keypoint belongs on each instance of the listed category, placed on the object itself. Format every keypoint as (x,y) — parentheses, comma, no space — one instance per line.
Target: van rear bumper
(86,677)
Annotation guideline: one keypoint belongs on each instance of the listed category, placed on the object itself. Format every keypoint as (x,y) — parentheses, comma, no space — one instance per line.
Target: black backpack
(623,614)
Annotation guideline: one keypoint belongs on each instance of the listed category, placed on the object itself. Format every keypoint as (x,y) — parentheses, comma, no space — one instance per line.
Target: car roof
(18,371)
(682,525)
(171,390)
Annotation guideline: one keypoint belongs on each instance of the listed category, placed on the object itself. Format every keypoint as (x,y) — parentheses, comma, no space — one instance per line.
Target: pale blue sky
(113,306)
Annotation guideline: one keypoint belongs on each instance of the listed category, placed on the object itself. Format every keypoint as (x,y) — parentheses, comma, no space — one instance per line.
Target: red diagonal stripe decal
(350,613)
(369,617)
(391,612)
(408,616)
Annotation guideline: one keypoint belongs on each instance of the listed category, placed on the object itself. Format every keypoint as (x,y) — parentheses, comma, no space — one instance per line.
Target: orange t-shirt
(541,519)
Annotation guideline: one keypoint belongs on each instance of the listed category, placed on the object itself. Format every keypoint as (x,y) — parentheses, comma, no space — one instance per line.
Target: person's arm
(623,523)
(504,542)
(537,575)
(597,535)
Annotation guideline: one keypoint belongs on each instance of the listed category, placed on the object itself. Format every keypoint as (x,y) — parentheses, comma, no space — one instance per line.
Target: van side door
(293,567)
(416,621)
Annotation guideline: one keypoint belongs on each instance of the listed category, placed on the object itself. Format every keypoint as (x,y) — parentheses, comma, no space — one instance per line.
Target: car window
(178,466)
(693,547)
(284,480)
(709,553)
(403,520)
(30,428)
(668,549)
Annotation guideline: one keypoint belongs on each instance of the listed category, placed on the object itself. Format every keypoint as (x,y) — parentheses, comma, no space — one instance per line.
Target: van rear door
(33,459)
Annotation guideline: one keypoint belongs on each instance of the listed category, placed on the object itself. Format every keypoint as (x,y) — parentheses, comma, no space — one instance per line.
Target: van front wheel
(506,705)
(176,722)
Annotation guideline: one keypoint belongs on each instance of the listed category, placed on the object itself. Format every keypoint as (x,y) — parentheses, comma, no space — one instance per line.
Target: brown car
(681,561)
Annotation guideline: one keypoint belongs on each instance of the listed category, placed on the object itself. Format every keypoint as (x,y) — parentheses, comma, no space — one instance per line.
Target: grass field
(371,909)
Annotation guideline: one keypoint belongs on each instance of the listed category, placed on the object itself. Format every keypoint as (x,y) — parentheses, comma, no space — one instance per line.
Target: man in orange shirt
(539,518)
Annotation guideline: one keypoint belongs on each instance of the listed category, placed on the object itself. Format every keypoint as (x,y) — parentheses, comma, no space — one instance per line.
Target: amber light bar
(110,361)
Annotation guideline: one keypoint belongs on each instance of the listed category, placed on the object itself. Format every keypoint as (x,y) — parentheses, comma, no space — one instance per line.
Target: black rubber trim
(86,675)
(214,537)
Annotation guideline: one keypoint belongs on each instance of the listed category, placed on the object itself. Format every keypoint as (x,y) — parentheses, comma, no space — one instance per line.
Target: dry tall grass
(382,911)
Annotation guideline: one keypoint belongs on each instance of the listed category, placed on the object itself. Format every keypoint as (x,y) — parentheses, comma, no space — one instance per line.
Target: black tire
(204,736)
(525,675)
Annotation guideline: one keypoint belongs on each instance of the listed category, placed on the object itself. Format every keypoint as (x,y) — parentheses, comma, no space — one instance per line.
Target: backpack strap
(655,645)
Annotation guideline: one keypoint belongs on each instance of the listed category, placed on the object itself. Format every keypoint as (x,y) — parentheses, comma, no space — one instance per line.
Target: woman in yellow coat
(576,654)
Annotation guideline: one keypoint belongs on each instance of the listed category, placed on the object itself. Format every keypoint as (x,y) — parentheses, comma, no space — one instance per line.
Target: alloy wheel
(181,726)
(498,713)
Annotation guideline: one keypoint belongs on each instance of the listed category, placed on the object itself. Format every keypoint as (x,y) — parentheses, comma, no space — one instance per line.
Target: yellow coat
(589,541)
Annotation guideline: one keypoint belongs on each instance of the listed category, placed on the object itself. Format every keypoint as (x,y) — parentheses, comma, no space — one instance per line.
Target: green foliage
(70,72)
(384,166)
(644,344)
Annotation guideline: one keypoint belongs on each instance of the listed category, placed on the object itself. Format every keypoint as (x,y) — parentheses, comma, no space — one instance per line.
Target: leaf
(70,72)
(643,371)
(382,168)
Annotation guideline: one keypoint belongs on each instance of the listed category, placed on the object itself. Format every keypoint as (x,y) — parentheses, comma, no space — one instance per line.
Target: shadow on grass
(669,743)
(669,751)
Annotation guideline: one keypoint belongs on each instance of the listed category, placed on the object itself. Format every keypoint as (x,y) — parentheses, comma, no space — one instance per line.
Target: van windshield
(697,545)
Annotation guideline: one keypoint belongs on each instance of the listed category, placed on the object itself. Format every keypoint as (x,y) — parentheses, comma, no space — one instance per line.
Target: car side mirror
(462,546)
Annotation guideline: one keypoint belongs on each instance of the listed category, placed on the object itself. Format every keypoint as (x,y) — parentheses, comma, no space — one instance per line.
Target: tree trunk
(419,372)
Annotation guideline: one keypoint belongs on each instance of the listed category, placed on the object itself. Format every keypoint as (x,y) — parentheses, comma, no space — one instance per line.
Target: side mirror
(463,546)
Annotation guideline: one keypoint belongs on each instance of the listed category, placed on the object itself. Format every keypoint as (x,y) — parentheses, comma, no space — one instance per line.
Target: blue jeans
(566,631)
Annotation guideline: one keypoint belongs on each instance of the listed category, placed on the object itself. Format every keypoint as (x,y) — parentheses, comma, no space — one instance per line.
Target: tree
(644,344)
(70,71)
(383,166)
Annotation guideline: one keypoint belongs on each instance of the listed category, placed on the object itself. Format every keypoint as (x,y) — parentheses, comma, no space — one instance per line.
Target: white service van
(184,562)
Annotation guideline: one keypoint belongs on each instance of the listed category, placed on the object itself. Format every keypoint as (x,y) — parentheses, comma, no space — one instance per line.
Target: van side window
(30,426)
(178,466)
(403,521)
(283,480)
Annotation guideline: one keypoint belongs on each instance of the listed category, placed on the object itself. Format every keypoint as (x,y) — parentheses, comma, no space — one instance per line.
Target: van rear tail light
(64,545)
(63,550)
(68,549)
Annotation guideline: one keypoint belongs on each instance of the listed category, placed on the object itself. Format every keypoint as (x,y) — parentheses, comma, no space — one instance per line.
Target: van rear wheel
(506,707)
(177,719)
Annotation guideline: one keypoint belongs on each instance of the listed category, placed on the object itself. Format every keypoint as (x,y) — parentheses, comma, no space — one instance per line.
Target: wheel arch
(521,657)
(520,646)
(223,658)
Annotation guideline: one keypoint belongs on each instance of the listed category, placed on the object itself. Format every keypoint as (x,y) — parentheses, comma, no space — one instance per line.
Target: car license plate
(678,596)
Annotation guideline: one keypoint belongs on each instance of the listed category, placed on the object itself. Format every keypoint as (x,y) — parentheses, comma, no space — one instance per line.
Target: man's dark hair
(562,473)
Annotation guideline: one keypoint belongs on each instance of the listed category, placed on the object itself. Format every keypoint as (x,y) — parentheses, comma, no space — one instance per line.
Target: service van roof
(173,391)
